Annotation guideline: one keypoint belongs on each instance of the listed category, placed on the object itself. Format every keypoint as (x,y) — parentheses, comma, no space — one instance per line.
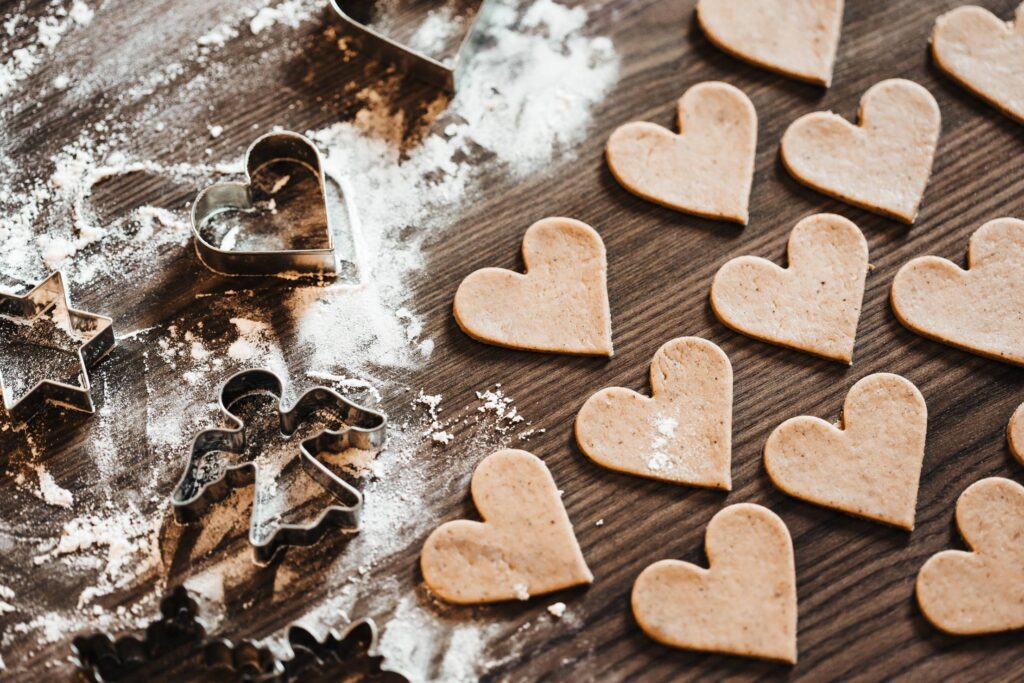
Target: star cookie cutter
(94,336)
(233,196)
(446,74)
(336,654)
(102,658)
(201,485)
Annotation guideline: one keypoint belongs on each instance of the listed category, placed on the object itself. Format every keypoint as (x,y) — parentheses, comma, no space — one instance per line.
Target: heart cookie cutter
(445,74)
(203,484)
(267,149)
(334,653)
(94,336)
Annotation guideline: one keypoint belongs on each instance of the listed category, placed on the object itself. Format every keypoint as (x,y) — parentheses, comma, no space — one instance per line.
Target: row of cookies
(745,602)
(882,165)
(799,39)
(560,305)
(868,466)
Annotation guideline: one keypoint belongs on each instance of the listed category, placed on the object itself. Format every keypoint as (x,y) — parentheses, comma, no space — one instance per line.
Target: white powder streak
(50,30)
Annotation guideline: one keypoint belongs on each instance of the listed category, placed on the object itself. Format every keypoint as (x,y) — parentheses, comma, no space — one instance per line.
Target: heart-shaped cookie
(984,54)
(869,465)
(525,546)
(682,433)
(981,590)
(980,309)
(560,305)
(882,165)
(796,38)
(1015,433)
(707,169)
(814,304)
(743,604)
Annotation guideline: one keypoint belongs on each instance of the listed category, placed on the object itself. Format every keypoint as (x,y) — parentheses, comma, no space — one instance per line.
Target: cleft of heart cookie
(980,590)
(797,38)
(559,305)
(814,304)
(869,465)
(984,54)
(744,603)
(682,433)
(707,169)
(980,309)
(524,546)
(884,163)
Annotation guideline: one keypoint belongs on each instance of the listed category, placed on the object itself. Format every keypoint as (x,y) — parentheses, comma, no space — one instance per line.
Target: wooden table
(858,618)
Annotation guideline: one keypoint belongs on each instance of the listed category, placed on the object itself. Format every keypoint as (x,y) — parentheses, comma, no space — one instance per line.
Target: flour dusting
(107,201)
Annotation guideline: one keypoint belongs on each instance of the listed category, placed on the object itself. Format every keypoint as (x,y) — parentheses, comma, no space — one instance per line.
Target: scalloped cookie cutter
(201,485)
(94,336)
(234,196)
(101,657)
(446,74)
(334,652)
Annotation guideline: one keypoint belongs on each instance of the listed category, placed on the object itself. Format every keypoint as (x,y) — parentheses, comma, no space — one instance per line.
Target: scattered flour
(526,100)
(666,428)
(291,13)
(52,493)
(6,595)
(124,541)
(415,637)
(557,609)
(436,32)
(443,438)
(218,37)
(347,384)
(50,29)
(252,339)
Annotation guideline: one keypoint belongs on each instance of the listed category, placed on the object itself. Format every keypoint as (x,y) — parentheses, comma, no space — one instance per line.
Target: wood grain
(857,616)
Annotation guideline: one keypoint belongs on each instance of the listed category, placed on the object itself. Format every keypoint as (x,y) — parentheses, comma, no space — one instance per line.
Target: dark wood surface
(858,619)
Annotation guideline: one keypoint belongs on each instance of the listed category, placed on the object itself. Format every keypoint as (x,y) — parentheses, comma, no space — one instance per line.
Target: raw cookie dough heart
(743,604)
(796,38)
(682,433)
(560,305)
(985,54)
(1015,433)
(883,164)
(981,590)
(980,309)
(814,304)
(707,169)
(525,546)
(869,465)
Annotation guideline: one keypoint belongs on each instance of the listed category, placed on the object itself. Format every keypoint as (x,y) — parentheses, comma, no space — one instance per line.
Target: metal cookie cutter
(102,658)
(204,483)
(446,74)
(352,655)
(267,149)
(93,334)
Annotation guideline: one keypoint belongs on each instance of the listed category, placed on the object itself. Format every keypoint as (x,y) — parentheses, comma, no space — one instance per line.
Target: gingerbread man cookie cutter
(279,146)
(447,73)
(204,483)
(93,334)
